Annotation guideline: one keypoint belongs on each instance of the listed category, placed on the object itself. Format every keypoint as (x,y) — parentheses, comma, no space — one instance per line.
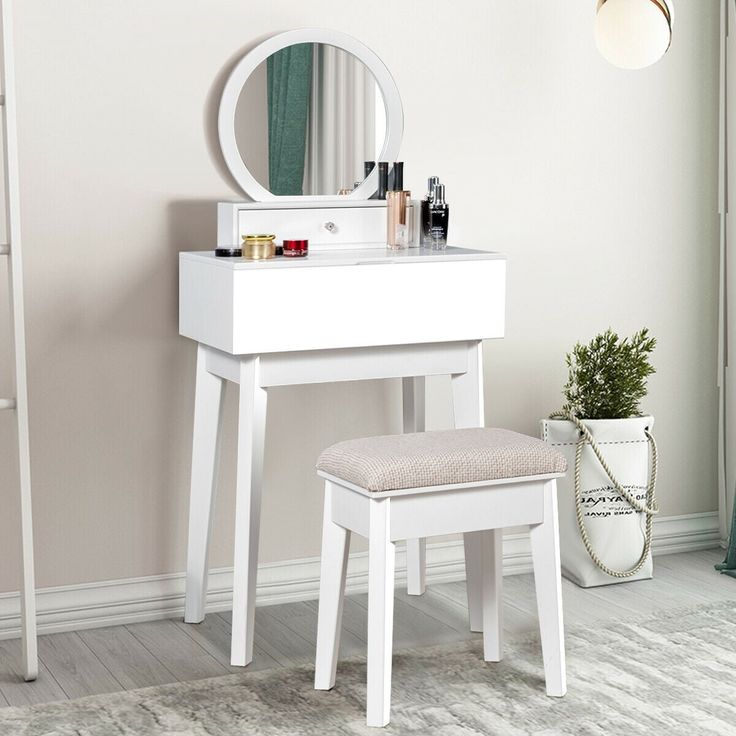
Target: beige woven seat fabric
(392,462)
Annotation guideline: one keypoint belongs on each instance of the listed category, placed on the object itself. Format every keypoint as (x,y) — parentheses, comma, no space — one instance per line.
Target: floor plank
(413,627)
(213,635)
(183,656)
(301,618)
(437,606)
(278,640)
(354,617)
(75,667)
(519,617)
(14,689)
(126,658)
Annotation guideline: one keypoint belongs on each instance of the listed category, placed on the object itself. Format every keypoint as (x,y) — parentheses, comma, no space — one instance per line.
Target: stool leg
(492,595)
(333,571)
(473,542)
(251,436)
(413,393)
(545,540)
(416,566)
(381,557)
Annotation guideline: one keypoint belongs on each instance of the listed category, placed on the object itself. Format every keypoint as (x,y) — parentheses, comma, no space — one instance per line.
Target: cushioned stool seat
(412,486)
(394,462)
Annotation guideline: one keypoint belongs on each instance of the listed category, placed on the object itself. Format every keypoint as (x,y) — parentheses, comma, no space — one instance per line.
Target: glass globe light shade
(633,34)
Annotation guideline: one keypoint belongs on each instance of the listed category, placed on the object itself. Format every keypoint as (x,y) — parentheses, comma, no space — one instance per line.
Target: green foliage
(608,377)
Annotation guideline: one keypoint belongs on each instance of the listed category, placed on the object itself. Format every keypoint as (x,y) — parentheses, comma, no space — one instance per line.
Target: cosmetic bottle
(439,217)
(396,181)
(382,179)
(368,166)
(424,238)
(399,212)
(398,215)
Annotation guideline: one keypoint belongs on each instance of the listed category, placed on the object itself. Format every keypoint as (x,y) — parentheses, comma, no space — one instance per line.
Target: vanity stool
(429,483)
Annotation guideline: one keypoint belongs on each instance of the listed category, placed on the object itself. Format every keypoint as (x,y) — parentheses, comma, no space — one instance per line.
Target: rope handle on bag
(649,508)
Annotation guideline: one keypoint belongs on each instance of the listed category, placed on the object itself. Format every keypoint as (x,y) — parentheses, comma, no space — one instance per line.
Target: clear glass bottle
(400,220)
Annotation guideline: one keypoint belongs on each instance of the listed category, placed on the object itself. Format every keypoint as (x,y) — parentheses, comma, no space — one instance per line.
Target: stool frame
(485,507)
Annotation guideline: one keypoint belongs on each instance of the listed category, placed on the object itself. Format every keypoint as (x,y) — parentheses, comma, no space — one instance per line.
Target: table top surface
(346,257)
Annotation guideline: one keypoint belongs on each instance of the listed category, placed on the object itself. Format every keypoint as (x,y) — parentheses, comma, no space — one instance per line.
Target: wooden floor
(126,657)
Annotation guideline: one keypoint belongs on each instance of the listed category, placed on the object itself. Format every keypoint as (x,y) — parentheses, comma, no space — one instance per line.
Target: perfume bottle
(399,212)
(424,238)
(400,231)
(439,217)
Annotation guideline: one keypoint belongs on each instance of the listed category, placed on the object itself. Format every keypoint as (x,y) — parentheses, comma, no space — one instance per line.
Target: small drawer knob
(330,227)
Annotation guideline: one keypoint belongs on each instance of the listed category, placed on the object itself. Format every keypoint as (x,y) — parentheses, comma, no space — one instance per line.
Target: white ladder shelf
(19,404)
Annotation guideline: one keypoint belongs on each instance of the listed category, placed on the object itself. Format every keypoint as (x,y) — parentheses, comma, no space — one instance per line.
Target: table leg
(251,437)
(467,391)
(413,392)
(209,390)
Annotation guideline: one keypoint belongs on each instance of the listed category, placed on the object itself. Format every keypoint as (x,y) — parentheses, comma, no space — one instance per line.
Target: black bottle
(424,238)
(382,179)
(439,218)
(368,166)
(396,180)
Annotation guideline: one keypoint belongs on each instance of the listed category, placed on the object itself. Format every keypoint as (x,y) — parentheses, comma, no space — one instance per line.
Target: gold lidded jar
(258,247)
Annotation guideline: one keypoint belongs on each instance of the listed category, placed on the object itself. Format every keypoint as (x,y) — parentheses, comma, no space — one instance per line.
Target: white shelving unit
(18,405)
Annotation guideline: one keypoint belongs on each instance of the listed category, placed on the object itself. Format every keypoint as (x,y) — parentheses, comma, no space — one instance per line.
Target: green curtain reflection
(289,74)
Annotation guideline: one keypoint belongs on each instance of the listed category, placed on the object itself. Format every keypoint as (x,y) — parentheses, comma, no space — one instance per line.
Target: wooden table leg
(251,438)
(205,451)
(467,391)
(413,392)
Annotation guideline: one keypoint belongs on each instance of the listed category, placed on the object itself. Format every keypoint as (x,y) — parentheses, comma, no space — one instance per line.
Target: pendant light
(633,34)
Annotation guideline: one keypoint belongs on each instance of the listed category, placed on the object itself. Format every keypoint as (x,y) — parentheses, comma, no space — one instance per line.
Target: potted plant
(607,500)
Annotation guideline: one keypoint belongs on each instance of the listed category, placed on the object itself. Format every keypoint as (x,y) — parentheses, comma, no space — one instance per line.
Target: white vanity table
(351,310)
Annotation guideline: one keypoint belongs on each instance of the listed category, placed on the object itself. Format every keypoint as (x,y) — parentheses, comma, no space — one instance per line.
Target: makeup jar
(258,247)
(296,248)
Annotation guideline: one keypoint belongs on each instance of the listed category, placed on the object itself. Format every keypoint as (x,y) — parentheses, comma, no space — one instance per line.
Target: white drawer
(340,226)
(243,310)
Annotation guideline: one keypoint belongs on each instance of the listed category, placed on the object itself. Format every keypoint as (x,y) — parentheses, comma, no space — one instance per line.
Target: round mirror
(306,114)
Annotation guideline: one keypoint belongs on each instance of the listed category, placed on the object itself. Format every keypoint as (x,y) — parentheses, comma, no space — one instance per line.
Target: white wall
(599,184)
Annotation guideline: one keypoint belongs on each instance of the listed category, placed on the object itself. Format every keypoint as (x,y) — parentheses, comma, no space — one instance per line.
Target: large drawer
(264,310)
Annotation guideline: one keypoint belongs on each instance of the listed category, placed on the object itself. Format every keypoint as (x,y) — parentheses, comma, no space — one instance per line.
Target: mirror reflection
(308,119)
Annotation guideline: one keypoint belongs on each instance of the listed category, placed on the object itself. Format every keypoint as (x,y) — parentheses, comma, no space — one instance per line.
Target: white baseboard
(127,601)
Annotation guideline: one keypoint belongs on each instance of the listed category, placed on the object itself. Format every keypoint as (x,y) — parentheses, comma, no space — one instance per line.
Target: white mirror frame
(247,65)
